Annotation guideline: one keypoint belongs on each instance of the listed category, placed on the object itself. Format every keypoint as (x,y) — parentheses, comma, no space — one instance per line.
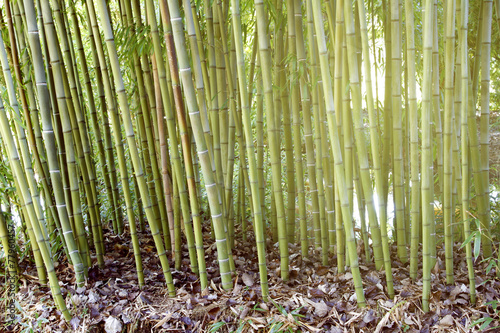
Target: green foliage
(130,39)
(215,327)
(486,321)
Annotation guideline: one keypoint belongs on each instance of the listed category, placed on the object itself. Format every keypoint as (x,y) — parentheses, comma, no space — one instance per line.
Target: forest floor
(316,299)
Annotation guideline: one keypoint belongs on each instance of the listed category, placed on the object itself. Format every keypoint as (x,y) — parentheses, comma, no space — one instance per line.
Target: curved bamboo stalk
(334,141)
(172,133)
(224,255)
(465,82)
(24,194)
(247,126)
(48,135)
(359,132)
(120,88)
(186,146)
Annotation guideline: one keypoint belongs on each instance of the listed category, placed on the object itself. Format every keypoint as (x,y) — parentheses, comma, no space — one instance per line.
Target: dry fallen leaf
(74,322)
(113,325)
(247,279)
(320,309)
(446,321)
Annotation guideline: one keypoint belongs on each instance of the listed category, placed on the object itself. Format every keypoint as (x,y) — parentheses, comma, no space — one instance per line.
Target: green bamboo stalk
(413,115)
(437,127)
(387,108)
(465,82)
(224,255)
(427,183)
(125,111)
(186,145)
(71,138)
(447,137)
(339,56)
(360,199)
(220,120)
(247,126)
(24,193)
(334,141)
(259,131)
(306,110)
(364,168)
(485,122)
(48,135)
(174,153)
(397,135)
(165,160)
(265,58)
(297,137)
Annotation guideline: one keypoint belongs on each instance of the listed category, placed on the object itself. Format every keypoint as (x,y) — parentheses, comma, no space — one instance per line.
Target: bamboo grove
(273,119)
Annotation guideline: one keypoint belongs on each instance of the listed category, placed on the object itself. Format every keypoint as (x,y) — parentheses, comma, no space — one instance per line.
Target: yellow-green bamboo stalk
(334,141)
(320,232)
(297,137)
(26,199)
(437,129)
(427,183)
(272,128)
(397,136)
(414,152)
(338,93)
(364,168)
(306,110)
(71,138)
(447,137)
(465,82)
(186,145)
(224,255)
(125,111)
(485,123)
(247,125)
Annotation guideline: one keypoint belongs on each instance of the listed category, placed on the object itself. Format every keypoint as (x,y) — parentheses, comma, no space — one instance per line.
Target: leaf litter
(315,299)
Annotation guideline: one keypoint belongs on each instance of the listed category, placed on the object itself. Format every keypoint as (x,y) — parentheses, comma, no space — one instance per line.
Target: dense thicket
(324,123)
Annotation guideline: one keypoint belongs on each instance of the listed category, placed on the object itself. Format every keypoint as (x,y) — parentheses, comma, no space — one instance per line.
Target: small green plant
(216,326)
(279,326)
(486,321)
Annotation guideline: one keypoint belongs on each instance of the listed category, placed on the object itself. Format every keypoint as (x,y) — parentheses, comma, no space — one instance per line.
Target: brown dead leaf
(247,279)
